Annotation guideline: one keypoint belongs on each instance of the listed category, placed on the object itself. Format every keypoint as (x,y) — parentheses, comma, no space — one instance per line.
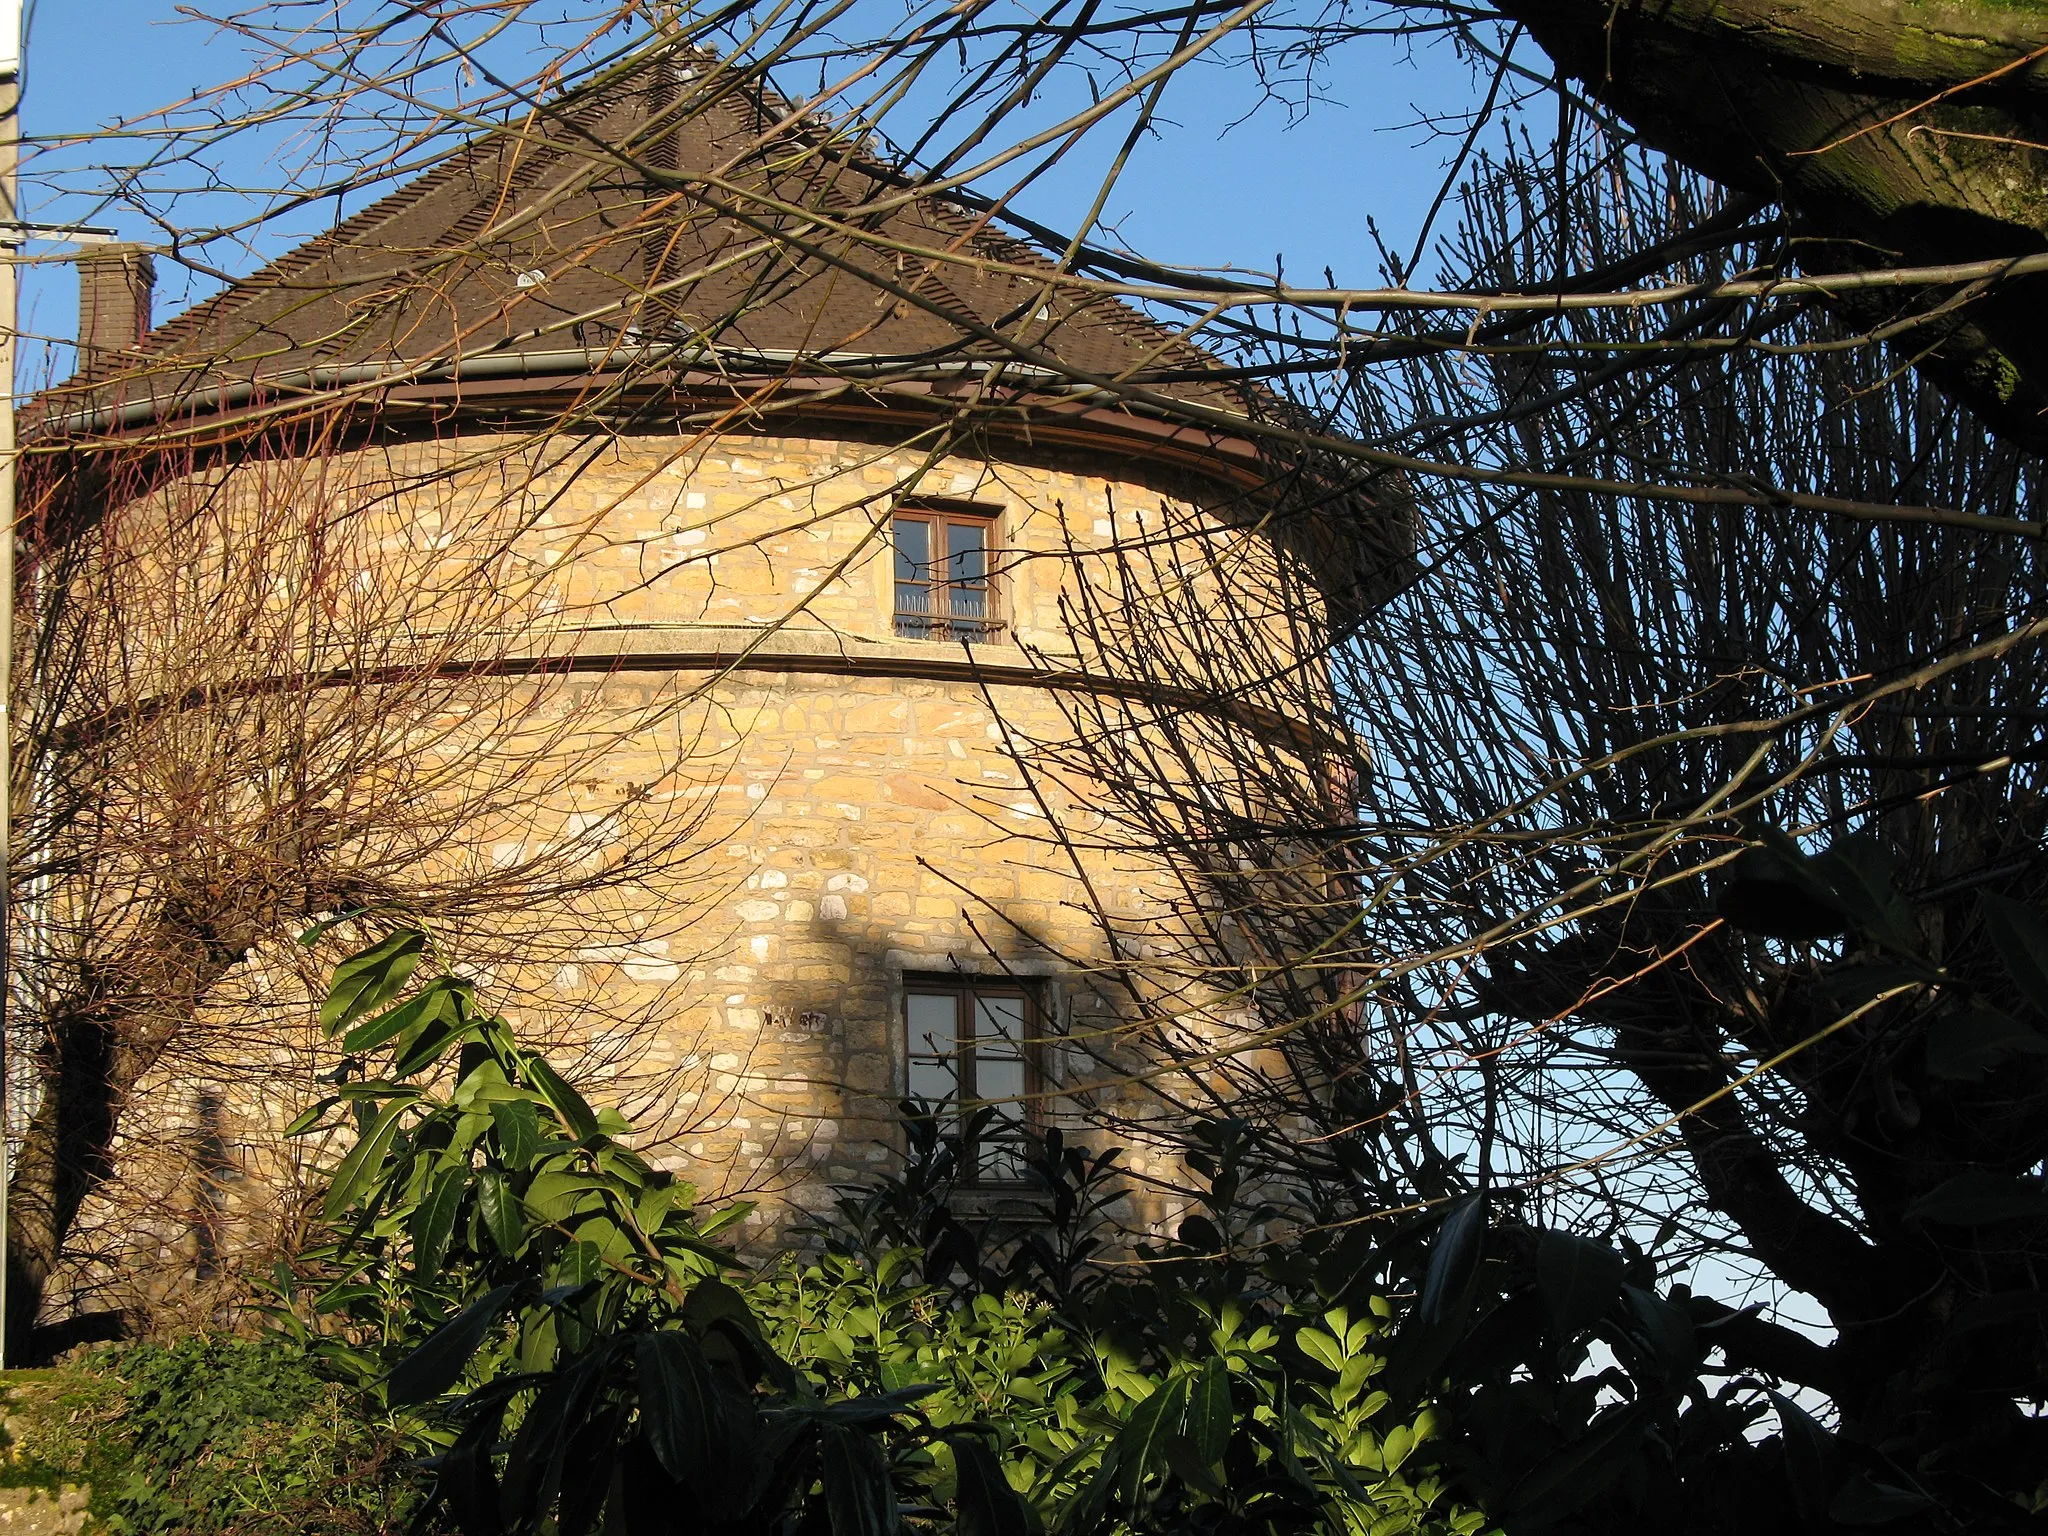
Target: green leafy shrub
(1263,1416)
(543,1308)
(210,1436)
(549,1317)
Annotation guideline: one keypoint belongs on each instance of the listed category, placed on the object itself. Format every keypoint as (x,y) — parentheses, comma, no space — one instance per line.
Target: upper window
(944,589)
(970,1043)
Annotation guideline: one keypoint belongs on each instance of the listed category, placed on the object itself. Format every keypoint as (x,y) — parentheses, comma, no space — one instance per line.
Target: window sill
(1014,1202)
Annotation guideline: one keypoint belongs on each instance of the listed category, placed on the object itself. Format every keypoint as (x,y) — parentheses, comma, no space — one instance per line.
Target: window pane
(999,1078)
(1000,1019)
(934,1023)
(1001,1162)
(966,1046)
(967,544)
(933,1080)
(913,549)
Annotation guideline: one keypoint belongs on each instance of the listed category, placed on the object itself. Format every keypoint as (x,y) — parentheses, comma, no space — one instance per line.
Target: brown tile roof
(542,237)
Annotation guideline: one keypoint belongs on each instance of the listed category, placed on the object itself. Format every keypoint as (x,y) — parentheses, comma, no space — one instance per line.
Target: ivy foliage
(563,1336)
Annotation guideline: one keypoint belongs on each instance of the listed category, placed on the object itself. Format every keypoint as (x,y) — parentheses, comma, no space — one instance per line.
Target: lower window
(968,1044)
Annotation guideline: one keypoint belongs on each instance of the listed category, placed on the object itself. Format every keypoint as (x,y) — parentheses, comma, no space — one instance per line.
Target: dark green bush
(212,1437)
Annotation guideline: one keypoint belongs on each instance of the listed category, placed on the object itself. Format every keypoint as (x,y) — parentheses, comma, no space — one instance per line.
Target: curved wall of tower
(697,648)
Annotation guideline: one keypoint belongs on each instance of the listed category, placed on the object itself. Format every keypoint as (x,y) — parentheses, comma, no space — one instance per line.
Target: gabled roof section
(549,237)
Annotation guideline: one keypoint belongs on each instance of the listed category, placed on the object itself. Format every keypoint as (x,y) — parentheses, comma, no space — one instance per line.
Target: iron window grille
(972,1045)
(945,583)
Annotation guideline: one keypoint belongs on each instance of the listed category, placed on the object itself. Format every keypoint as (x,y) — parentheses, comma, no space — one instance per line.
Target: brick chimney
(114,287)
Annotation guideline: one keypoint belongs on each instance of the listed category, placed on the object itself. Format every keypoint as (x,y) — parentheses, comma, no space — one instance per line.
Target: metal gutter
(572,362)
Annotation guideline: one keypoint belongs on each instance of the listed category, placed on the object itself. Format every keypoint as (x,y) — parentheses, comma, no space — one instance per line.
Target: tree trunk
(99,1045)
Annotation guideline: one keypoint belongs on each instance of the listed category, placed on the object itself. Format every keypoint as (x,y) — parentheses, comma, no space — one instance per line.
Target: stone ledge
(741,648)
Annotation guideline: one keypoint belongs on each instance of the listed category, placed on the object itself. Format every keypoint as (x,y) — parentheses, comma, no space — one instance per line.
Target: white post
(10,218)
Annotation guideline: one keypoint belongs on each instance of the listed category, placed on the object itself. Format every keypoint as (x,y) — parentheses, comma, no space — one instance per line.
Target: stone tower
(791,512)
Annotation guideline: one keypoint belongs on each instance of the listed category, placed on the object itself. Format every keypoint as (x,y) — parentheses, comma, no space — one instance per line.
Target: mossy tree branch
(1895,132)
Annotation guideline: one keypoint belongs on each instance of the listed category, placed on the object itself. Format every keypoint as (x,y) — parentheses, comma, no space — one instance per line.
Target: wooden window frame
(964,990)
(937,620)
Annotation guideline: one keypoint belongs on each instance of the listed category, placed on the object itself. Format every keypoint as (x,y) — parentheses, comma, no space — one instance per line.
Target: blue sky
(1219,189)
